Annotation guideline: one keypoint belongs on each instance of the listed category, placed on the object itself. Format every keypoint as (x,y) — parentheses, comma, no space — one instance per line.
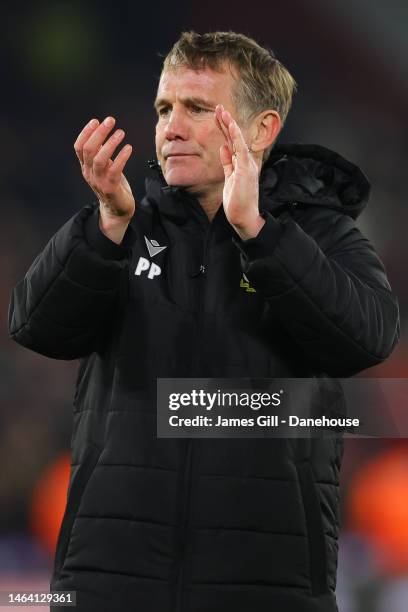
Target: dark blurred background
(66,62)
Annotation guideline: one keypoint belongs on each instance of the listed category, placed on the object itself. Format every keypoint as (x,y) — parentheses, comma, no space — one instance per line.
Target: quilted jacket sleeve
(326,286)
(65,305)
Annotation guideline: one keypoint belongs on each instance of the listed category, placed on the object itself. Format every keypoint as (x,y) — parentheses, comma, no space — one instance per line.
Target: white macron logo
(144,265)
(154,247)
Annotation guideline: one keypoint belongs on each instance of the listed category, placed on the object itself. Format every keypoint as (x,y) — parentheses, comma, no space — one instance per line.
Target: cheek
(158,138)
(213,141)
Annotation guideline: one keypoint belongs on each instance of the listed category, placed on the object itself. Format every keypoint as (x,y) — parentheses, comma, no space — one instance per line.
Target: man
(155,290)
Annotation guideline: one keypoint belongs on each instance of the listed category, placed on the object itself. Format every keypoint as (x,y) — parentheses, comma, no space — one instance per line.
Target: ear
(264,130)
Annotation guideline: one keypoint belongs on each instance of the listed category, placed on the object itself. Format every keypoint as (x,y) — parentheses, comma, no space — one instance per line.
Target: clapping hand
(241,187)
(105,175)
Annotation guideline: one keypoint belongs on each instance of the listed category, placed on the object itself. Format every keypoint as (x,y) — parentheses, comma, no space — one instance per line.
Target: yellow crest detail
(244,283)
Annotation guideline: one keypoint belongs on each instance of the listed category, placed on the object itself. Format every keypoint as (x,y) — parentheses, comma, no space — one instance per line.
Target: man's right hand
(105,176)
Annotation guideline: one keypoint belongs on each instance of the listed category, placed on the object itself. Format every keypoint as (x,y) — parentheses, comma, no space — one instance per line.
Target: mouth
(180,155)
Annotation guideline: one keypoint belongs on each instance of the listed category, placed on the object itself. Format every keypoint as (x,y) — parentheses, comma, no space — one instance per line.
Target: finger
(116,168)
(224,129)
(102,158)
(226,160)
(240,147)
(83,137)
(95,141)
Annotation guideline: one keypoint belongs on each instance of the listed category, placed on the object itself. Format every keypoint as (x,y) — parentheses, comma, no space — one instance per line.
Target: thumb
(226,160)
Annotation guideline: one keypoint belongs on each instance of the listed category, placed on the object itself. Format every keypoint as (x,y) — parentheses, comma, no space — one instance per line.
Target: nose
(176,127)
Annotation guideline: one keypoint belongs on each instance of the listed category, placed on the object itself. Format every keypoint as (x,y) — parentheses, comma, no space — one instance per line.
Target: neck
(209,201)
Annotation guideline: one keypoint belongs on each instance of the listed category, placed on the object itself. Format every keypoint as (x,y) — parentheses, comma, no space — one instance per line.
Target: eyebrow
(186,101)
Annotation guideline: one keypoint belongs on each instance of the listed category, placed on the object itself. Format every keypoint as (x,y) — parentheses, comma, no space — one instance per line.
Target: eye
(163,111)
(197,110)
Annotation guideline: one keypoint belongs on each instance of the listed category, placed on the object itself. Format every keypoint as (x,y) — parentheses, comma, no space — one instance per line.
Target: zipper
(185,521)
(188,453)
(188,449)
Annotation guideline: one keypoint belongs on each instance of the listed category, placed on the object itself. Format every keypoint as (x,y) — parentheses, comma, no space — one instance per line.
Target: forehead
(184,82)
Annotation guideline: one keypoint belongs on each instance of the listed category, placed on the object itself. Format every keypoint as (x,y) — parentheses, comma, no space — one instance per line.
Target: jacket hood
(293,173)
(312,174)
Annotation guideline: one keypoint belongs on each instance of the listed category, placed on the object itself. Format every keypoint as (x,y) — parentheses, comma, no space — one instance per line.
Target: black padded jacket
(206,525)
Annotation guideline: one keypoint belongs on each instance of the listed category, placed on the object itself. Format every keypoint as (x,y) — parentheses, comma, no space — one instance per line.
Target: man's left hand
(241,188)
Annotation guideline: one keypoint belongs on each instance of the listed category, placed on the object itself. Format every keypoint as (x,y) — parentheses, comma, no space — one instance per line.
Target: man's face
(188,138)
